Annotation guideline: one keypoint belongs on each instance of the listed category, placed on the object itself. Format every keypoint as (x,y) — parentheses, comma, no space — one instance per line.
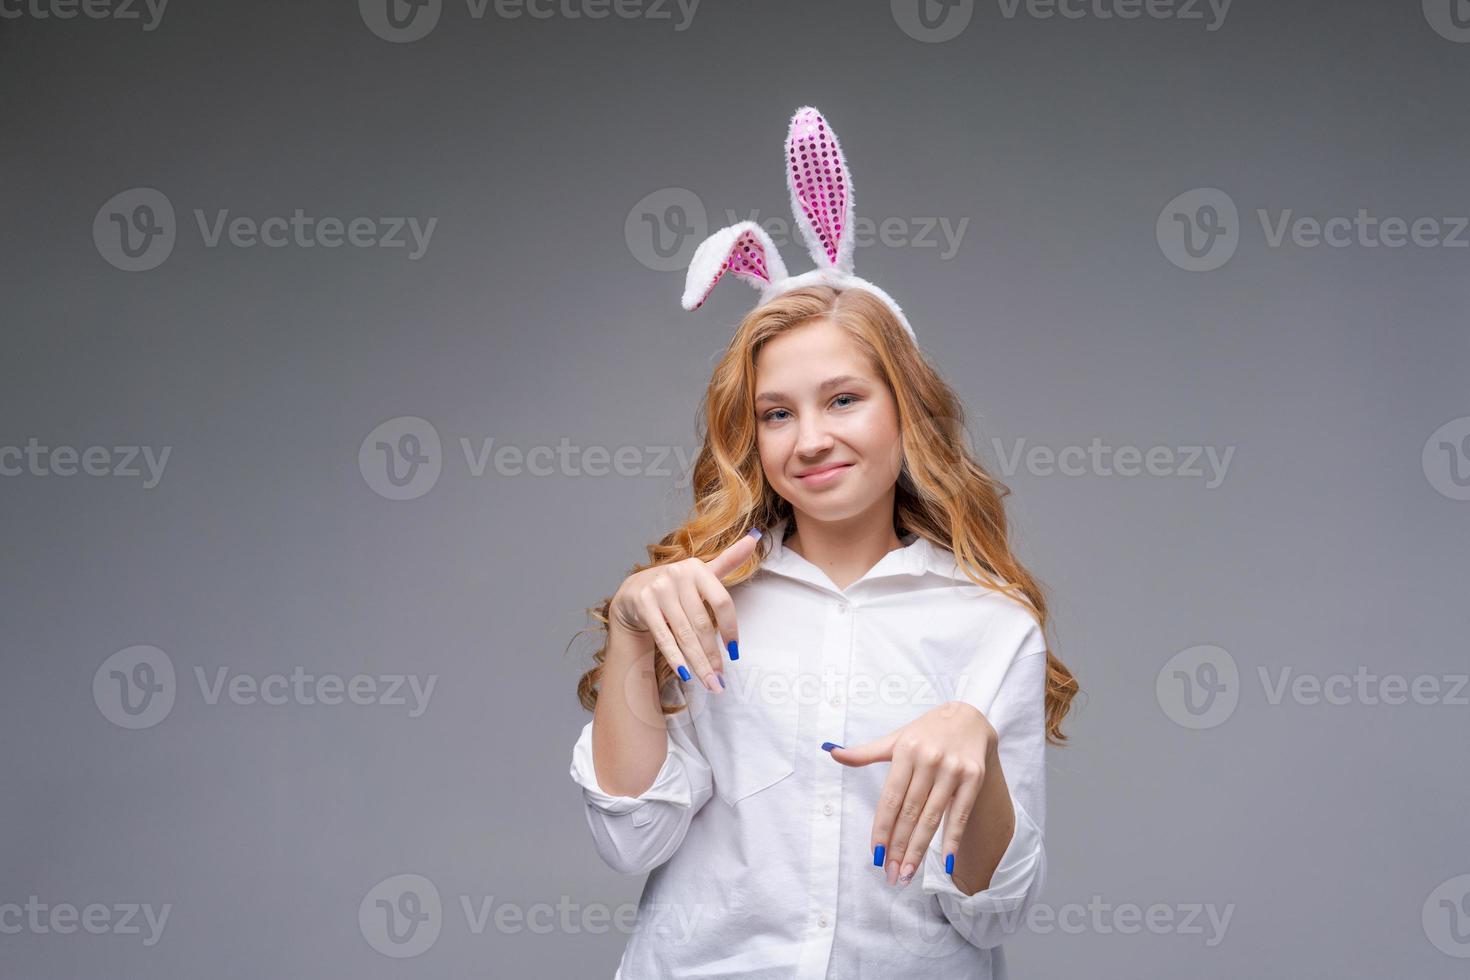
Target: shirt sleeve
(635,834)
(1018,714)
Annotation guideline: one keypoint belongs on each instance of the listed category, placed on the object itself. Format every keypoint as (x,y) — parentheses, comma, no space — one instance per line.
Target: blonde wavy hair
(943,493)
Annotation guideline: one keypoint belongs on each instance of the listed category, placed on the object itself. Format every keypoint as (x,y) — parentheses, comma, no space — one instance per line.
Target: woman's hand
(939,761)
(668,604)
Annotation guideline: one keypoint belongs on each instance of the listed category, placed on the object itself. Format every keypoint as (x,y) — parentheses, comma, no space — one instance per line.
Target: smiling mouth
(824,472)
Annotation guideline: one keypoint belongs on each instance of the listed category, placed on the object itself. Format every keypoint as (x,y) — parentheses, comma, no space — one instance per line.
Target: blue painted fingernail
(733,649)
(754,532)
(878,856)
(683,673)
(721,678)
(949,864)
(829,746)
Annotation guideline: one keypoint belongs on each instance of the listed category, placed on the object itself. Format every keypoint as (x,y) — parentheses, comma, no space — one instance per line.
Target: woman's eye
(772,415)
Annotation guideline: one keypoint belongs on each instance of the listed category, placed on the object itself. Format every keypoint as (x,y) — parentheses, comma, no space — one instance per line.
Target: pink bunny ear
(821,190)
(744,249)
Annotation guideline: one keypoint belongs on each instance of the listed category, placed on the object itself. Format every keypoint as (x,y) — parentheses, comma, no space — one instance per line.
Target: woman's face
(827,427)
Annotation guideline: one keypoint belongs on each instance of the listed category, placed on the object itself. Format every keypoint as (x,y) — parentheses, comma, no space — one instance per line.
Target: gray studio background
(538,315)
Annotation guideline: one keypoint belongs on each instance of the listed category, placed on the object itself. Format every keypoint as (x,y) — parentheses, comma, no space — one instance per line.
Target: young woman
(832,681)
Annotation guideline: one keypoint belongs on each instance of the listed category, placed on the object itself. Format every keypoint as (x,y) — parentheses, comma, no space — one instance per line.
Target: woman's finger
(663,638)
(962,807)
(666,589)
(948,778)
(702,623)
(924,771)
(734,556)
(895,787)
(713,591)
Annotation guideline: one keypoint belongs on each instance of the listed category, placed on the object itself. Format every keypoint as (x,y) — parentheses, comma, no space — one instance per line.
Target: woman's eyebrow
(824,387)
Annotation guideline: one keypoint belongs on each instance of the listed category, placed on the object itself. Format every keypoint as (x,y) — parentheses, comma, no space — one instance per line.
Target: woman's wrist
(625,644)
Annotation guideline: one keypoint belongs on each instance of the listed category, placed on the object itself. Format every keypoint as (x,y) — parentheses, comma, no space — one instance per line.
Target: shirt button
(822,921)
(827,809)
(842,607)
(836,700)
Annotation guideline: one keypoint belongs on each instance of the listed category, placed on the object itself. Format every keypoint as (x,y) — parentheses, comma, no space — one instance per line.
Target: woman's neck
(845,550)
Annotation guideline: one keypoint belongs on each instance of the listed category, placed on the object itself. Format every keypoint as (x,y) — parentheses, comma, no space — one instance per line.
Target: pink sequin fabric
(747,259)
(817,173)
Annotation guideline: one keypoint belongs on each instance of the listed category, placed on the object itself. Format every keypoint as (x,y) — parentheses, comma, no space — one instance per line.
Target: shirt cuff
(1018,874)
(671,784)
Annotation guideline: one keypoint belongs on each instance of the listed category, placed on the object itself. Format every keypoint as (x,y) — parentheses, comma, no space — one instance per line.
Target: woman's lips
(825,475)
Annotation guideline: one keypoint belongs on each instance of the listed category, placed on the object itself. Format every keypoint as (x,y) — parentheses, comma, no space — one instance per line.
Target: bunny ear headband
(821,202)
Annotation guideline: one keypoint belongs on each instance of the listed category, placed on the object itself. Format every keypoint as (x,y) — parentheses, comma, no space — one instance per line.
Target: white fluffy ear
(821,190)
(744,249)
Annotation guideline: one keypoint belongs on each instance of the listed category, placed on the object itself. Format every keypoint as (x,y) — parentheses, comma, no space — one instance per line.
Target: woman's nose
(813,439)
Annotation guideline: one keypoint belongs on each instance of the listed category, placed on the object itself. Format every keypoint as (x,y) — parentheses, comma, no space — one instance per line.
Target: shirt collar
(918,556)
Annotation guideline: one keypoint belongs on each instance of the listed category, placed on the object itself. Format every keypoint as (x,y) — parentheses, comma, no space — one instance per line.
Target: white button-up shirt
(756,841)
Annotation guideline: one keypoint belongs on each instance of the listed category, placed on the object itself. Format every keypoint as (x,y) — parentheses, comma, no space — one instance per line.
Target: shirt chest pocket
(748,731)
